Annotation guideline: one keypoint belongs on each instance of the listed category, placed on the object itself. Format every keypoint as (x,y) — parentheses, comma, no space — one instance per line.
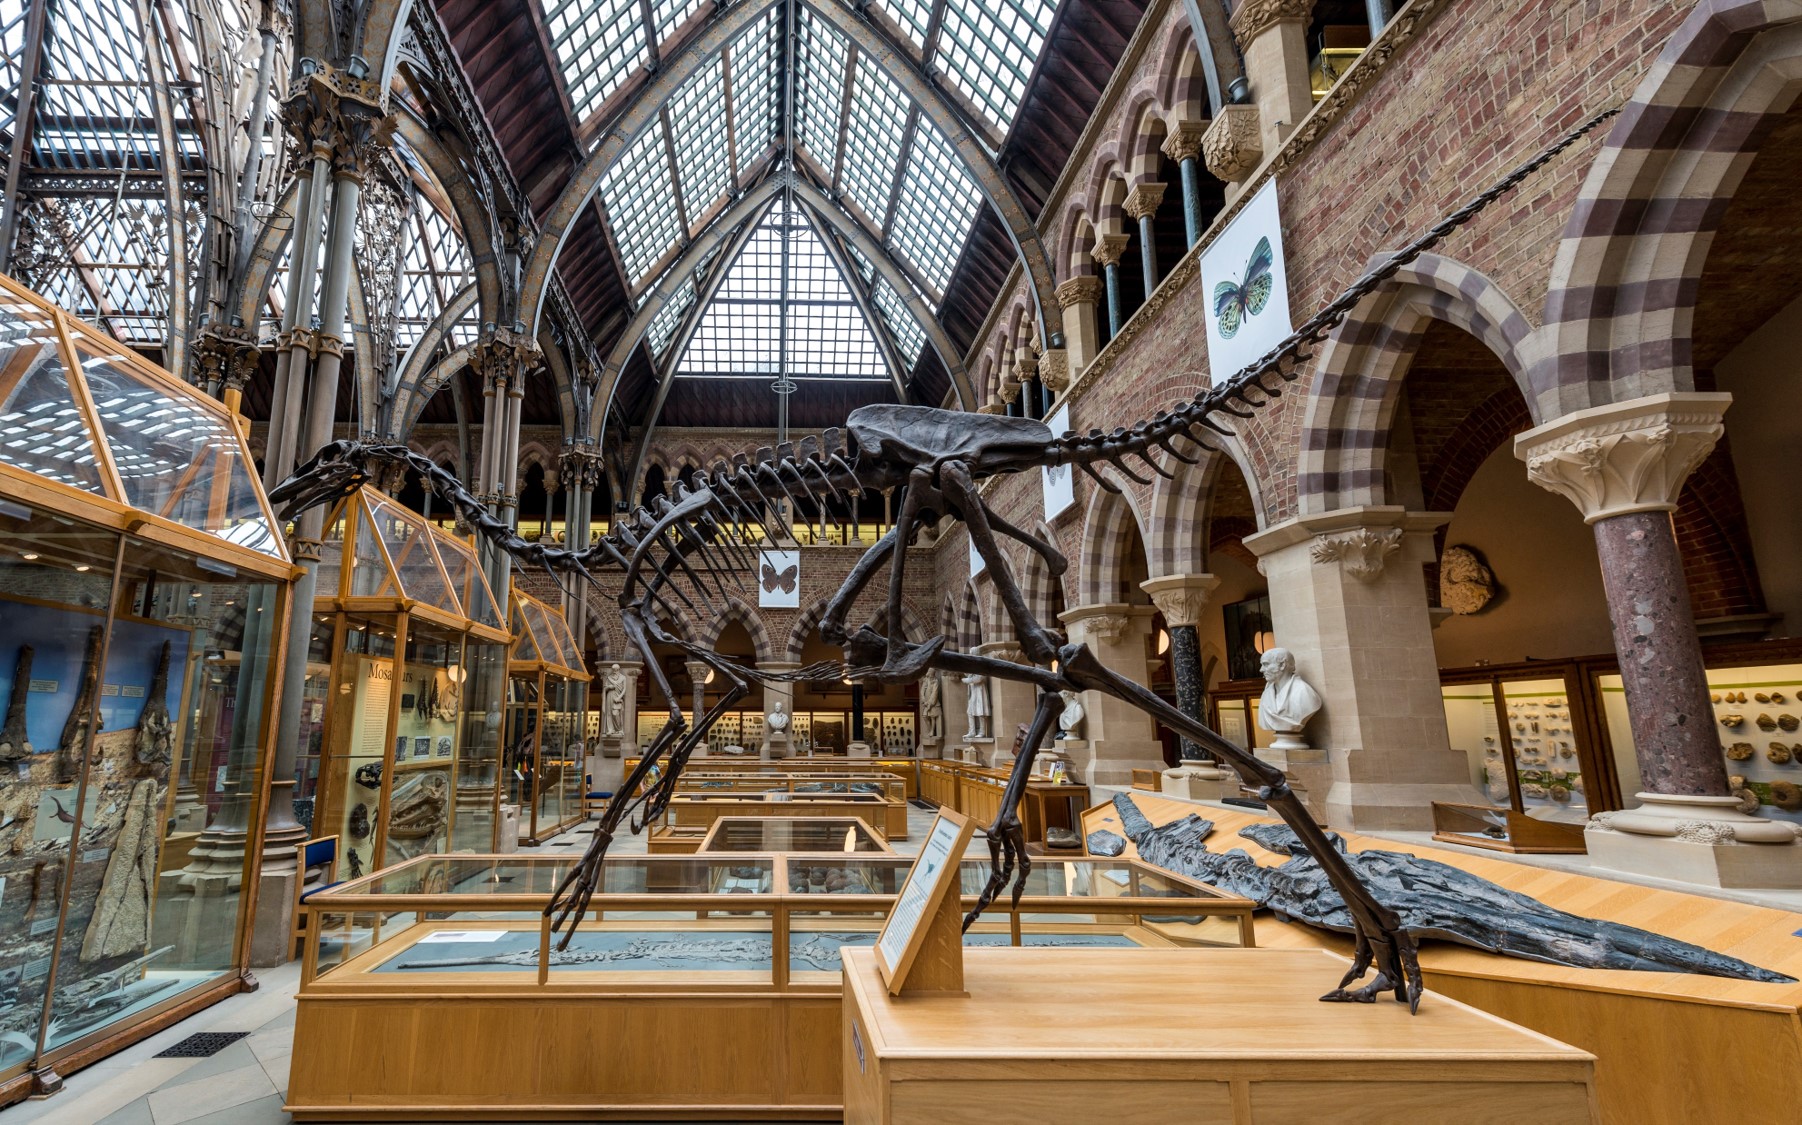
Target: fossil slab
(121,922)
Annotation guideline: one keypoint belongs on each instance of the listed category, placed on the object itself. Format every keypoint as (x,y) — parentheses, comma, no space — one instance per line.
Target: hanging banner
(1059,480)
(779,579)
(977,566)
(1246,279)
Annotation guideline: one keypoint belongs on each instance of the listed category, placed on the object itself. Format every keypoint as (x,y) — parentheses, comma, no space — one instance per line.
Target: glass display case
(405,765)
(792,834)
(812,733)
(547,690)
(143,592)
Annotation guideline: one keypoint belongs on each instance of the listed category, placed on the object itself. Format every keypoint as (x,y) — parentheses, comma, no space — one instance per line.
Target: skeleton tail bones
(654,546)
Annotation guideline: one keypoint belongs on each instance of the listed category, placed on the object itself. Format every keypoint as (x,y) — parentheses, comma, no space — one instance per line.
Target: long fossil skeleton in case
(676,554)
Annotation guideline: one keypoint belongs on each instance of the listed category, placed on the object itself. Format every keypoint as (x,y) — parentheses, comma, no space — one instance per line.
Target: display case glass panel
(478,763)
(48,433)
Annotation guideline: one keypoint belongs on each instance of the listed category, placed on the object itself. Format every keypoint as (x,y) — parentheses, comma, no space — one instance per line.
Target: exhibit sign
(917,908)
(1059,480)
(779,579)
(1246,280)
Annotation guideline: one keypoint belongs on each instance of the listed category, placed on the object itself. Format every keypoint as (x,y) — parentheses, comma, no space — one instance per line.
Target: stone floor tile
(137,1113)
(263,1111)
(173,1105)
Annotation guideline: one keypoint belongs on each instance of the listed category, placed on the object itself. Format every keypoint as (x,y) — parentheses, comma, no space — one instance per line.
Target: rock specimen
(15,746)
(81,721)
(1435,900)
(1062,839)
(1466,586)
(156,734)
(121,922)
(1106,843)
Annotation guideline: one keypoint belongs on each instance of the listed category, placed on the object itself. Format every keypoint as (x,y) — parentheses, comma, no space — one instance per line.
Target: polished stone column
(1183,145)
(1273,36)
(1348,599)
(1142,205)
(1623,466)
(1077,298)
(1181,598)
(1107,251)
(697,675)
(1121,737)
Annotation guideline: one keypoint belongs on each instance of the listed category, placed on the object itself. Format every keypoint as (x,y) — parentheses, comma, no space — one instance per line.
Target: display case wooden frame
(545,652)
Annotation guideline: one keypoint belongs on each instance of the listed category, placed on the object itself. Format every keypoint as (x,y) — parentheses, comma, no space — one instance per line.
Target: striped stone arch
(970,625)
(1622,297)
(1142,131)
(1182,82)
(1351,401)
(1181,508)
(1076,235)
(737,609)
(1109,527)
(867,608)
(1045,595)
(600,632)
(679,624)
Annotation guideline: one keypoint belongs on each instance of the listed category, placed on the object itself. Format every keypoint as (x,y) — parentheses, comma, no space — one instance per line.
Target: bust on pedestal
(776,723)
(1287,703)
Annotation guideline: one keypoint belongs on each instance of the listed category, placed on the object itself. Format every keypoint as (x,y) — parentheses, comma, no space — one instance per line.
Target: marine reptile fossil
(677,554)
(15,743)
(82,720)
(1435,900)
(155,731)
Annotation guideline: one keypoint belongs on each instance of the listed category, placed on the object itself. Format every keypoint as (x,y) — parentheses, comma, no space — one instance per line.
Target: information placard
(922,897)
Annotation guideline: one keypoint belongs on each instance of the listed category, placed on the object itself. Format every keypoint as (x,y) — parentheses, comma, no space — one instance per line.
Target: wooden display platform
(1178,1035)
(1669,1047)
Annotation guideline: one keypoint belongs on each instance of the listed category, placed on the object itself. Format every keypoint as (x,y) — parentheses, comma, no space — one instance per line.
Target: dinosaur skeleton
(671,551)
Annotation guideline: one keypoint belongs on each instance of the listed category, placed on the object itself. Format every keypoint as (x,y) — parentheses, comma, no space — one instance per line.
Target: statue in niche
(614,684)
(932,711)
(1287,703)
(1072,720)
(977,708)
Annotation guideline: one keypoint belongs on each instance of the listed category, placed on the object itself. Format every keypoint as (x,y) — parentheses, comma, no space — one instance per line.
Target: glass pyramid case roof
(400,558)
(542,637)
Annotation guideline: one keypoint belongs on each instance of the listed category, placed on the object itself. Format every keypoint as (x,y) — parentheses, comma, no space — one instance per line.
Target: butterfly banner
(779,579)
(1247,283)
(1059,480)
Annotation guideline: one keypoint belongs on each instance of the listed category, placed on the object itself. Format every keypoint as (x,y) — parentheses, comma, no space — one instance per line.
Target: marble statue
(1072,719)
(978,706)
(1287,703)
(614,684)
(932,711)
(777,719)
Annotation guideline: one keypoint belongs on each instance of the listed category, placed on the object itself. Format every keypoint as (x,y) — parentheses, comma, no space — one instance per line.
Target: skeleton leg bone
(1007,840)
(1036,641)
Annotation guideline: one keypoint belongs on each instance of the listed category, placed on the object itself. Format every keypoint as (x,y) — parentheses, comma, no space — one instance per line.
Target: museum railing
(770,921)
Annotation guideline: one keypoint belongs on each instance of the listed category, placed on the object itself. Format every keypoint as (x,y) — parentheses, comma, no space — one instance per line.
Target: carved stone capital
(1054,370)
(1010,389)
(503,357)
(1101,622)
(1233,145)
(226,353)
(1026,369)
(1252,18)
(1078,291)
(330,113)
(1184,141)
(995,407)
(1626,457)
(1181,598)
(1144,200)
(1360,553)
(1108,248)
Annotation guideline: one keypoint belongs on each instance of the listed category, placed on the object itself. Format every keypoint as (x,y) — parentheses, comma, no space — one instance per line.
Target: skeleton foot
(1007,847)
(1366,995)
(1399,970)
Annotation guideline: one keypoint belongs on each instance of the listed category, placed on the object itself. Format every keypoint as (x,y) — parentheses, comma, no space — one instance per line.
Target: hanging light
(1163,641)
(1264,641)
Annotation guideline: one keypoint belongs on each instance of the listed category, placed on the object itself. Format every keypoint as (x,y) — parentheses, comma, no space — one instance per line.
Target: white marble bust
(1287,703)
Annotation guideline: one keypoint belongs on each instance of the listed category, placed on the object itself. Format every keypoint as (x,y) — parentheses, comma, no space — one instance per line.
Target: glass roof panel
(697,117)
(435,266)
(460,562)
(370,573)
(177,459)
(42,430)
(754,81)
(669,317)
(873,132)
(638,195)
(598,43)
(671,14)
(819,88)
(912,16)
(934,208)
(525,643)
(988,49)
(909,337)
(740,332)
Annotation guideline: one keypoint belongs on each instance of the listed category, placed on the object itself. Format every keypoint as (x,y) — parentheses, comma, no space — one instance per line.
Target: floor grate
(202,1045)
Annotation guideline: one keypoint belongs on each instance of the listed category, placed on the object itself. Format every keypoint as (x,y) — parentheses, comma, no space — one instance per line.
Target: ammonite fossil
(1740,751)
(1788,721)
(1779,753)
(1748,800)
(1786,795)
(1765,722)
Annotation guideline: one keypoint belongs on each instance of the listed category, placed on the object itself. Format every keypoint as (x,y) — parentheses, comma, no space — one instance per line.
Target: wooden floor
(1670,1047)
(1165,1035)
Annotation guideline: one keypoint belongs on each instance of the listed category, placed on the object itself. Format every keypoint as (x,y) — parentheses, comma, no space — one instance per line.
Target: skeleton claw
(1366,995)
(906,661)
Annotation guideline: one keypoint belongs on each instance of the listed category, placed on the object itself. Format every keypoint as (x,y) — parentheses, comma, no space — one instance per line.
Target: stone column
(697,675)
(775,746)
(1121,737)
(1077,297)
(1010,703)
(1183,145)
(550,496)
(1106,252)
(1273,36)
(1349,603)
(1623,466)
(1142,204)
(1181,598)
(1026,370)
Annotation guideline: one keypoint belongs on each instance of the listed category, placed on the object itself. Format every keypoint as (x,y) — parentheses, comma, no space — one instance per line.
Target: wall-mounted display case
(414,662)
(547,691)
(736,956)
(143,591)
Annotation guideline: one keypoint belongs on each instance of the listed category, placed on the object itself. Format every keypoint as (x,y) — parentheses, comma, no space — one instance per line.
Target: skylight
(741,333)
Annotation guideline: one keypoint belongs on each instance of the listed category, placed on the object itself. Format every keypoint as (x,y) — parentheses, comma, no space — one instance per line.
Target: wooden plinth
(1671,1048)
(1187,1035)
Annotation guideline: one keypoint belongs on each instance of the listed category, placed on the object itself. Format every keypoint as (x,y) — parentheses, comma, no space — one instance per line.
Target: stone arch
(1043,593)
(1178,540)
(1142,132)
(1622,297)
(970,625)
(1109,527)
(737,609)
(1077,236)
(1182,82)
(1352,399)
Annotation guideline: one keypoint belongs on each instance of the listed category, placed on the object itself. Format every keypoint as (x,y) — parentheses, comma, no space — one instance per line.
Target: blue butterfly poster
(1245,283)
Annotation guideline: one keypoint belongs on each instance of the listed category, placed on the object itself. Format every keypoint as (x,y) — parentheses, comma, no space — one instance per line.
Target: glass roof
(741,332)
(855,132)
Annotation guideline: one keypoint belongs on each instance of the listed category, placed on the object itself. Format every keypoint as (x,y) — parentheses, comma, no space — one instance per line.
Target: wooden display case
(907,769)
(734,956)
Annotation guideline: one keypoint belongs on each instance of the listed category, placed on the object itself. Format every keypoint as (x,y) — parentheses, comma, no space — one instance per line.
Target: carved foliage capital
(1233,145)
(581,465)
(1108,248)
(1360,553)
(504,357)
(1181,598)
(330,112)
(1144,199)
(1184,141)
(1078,291)
(226,353)
(1628,457)
(1054,370)
(1252,18)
